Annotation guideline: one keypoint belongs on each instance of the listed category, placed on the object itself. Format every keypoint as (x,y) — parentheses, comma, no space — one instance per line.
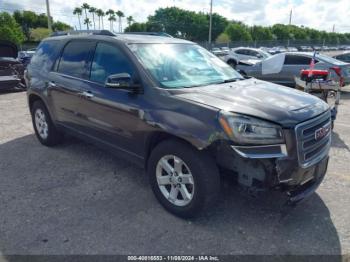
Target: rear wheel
(44,128)
(184,180)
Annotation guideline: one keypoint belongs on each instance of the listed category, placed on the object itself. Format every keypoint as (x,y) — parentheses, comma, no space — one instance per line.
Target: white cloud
(320,14)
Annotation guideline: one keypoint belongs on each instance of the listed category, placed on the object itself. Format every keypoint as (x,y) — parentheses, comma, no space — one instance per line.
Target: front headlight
(249,130)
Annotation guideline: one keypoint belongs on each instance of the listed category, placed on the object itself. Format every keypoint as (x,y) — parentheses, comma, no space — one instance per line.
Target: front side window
(108,60)
(75,58)
(183,65)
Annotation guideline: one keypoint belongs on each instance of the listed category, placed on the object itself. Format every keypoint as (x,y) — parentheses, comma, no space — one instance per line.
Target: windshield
(183,65)
(265,54)
(329,60)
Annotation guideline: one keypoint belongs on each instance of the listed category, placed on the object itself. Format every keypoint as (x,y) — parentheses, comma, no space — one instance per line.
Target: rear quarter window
(297,60)
(45,55)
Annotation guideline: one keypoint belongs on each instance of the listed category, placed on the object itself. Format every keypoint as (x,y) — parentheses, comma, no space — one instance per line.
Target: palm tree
(130,20)
(93,10)
(78,11)
(85,6)
(87,22)
(100,15)
(120,14)
(111,18)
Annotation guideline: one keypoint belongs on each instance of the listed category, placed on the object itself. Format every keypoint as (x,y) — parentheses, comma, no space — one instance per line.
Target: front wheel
(184,180)
(44,128)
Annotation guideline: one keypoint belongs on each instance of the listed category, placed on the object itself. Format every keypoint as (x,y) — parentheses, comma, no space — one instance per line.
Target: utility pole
(333,28)
(210,22)
(290,16)
(49,24)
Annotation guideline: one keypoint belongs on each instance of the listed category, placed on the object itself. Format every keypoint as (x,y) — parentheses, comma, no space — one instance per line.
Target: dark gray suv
(181,113)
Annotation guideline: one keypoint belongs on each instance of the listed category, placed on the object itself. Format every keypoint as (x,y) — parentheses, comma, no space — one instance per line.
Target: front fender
(199,131)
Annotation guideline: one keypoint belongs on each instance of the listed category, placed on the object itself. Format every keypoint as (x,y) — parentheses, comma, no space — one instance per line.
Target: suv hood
(279,104)
(8,49)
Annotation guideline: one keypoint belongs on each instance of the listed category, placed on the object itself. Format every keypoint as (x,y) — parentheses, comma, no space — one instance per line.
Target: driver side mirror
(122,81)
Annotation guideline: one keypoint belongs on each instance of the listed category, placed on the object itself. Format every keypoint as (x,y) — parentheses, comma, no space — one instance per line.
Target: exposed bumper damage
(272,167)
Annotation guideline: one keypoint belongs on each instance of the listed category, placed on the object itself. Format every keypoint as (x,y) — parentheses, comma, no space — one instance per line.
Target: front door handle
(51,84)
(87,94)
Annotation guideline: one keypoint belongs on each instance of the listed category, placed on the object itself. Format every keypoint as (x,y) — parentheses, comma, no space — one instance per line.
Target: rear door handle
(87,94)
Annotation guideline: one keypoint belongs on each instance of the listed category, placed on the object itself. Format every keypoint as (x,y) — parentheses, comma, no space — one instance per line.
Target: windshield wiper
(231,80)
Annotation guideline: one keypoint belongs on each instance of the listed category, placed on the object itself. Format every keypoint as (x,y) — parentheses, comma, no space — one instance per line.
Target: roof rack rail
(83,32)
(149,33)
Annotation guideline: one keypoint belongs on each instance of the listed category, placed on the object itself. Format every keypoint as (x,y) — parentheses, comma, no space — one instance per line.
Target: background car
(245,53)
(291,66)
(217,51)
(345,57)
(225,50)
(11,69)
(26,56)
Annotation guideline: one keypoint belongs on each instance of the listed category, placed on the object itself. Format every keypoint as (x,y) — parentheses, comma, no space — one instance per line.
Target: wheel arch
(156,138)
(32,98)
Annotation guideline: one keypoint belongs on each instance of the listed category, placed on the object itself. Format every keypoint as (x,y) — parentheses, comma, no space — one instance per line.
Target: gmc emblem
(322,132)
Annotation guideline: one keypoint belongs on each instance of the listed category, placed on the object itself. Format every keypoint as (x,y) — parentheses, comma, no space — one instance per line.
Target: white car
(243,54)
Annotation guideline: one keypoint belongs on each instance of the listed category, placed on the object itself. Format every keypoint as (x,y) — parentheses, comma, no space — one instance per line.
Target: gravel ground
(77,199)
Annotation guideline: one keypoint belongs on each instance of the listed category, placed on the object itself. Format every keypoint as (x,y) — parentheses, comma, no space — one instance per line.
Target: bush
(9,29)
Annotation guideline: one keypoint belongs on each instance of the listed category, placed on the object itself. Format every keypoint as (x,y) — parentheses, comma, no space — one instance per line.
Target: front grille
(311,148)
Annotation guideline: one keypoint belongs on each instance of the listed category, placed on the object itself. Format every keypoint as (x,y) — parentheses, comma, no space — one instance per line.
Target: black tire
(204,171)
(54,137)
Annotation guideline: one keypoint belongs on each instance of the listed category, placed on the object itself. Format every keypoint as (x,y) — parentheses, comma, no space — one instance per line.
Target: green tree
(281,31)
(185,24)
(238,32)
(10,29)
(260,33)
(137,27)
(60,26)
(39,33)
(223,38)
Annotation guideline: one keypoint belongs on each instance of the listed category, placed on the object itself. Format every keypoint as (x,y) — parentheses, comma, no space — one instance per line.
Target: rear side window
(75,58)
(45,55)
(241,52)
(109,60)
(297,60)
(344,58)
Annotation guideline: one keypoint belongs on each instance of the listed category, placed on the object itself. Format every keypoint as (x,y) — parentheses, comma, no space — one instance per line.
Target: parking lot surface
(78,199)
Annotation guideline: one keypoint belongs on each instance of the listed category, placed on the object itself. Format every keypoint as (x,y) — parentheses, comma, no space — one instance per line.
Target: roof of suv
(127,38)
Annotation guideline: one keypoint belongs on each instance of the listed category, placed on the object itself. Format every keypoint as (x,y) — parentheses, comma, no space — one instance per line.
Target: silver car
(345,57)
(245,53)
(291,63)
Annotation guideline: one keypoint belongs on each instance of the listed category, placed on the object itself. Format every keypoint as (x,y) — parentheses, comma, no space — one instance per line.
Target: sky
(319,14)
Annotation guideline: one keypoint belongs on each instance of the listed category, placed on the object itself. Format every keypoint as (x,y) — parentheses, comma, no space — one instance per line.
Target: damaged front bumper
(273,167)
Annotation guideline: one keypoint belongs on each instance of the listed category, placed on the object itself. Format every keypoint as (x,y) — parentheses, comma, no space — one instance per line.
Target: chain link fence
(276,43)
